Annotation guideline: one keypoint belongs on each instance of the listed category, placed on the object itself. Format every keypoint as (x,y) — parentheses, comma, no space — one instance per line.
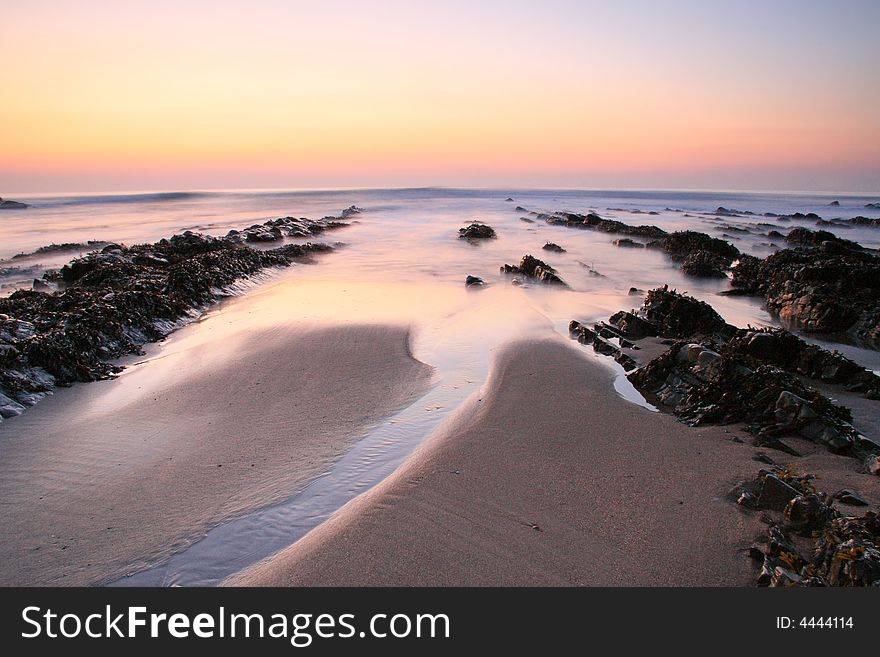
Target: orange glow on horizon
(190,91)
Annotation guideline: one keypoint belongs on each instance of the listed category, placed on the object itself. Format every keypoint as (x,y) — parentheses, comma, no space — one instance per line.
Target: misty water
(401,262)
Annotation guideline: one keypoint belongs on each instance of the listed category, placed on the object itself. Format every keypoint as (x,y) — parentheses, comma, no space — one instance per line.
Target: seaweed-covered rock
(801,236)
(535,269)
(807,513)
(704,264)
(702,386)
(677,315)
(844,548)
(476,231)
(628,243)
(746,271)
(831,288)
(681,244)
(846,552)
(595,222)
(776,346)
(112,301)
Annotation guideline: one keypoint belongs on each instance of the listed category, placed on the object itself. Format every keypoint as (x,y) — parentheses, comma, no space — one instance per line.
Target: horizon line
(491,188)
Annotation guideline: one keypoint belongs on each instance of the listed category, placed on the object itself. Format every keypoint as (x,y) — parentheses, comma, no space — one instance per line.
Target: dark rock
(865,221)
(800,216)
(12,205)
(679,316)
(724,212)
(832,288)
(66,247)
(535,269)
(474,281)
(597,338)
(114,301)
(350,211)
(509,200)
(634,291)
(263,236)
(527,220)
(633,326)
(681,244)
(626,361)
(476,231)
(583,334)
(807,513)
(781,348)
(704,264)
(775,494)
(834,204)
(595,222)
(805,237)
(847,496)
(703,386)
(627,242)
(846,552)
(555,248)
(873,206)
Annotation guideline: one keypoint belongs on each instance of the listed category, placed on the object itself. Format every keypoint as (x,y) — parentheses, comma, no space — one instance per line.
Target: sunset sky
(189,94)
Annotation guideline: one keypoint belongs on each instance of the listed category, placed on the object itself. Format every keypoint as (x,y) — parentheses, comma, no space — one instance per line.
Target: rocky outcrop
(780,348)
(535,269)
(476,231)
(113,301)
(702,386)
(801,236)
(704,264)
(595,222)
(700,255)
(600,337)
(626,242)
(871,222)
(54,249)
(6,204)
(714,373)
(676,315)
(841,549)
(275,230)
(553,247)
(830,288)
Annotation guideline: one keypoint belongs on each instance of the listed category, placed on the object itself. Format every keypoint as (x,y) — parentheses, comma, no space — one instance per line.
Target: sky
(195,94)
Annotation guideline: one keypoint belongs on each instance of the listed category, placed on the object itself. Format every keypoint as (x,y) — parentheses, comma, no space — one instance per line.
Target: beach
(547,478)
(394,394)
(119,474)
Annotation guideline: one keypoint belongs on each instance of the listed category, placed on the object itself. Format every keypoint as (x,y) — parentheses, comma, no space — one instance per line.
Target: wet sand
(547,477)
(110,476)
